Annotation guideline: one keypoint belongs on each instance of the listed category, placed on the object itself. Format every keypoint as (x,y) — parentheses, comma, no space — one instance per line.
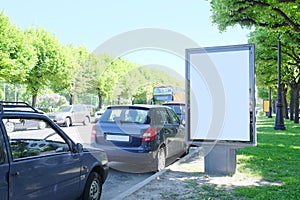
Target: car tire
(41,125)
(68,122)
(93,187)
(86,121)
(161,159)
(186,151)
(10,127)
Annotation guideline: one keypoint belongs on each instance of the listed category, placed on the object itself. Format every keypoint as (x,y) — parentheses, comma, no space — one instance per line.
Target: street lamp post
(279,122)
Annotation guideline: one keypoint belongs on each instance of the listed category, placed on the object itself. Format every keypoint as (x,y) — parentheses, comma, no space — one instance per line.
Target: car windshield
(65,109)
(179,109)
(125,115)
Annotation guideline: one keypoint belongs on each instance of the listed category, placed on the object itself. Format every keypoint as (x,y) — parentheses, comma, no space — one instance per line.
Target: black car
(141,134)
(178,107)
(45,163)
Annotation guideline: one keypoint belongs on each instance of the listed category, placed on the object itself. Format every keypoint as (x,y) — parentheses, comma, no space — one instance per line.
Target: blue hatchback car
(46,163)
(145,135)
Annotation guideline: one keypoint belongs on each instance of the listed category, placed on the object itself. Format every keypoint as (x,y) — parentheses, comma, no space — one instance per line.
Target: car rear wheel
(161,159)
(86,121)
(93,187)
(10,127)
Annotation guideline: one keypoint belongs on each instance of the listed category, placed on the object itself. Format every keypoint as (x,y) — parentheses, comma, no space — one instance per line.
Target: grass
(276,158)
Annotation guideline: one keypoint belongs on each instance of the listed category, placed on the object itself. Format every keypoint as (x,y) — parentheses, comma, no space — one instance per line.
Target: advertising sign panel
(221,95)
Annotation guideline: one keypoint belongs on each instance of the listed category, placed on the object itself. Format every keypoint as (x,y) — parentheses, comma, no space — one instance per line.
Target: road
(121,176)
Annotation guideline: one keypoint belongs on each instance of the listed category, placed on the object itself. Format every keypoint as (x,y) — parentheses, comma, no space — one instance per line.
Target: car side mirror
(78,148)
(182,122)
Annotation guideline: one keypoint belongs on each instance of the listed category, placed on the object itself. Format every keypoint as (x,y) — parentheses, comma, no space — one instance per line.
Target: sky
(94,22)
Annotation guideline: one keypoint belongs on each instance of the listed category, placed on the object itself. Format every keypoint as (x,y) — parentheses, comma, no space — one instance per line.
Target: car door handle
(15,174)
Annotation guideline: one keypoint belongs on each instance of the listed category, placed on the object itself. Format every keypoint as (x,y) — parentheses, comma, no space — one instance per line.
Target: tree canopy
(17,56)
(279,14)
(34,61)
(267,18)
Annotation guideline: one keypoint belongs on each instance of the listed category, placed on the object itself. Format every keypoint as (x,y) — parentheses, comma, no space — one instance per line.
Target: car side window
(76,109)
(173,117)
(167,118)
(156,117)
(31,138)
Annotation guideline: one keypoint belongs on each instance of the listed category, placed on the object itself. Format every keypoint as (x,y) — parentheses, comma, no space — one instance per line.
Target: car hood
(58,114)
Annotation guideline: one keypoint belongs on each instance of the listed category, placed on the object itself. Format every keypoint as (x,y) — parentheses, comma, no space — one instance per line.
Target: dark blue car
(146,135)
(46,163)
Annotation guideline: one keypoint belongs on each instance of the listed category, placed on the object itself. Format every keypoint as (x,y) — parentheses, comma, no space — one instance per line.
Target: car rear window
(178,108)
(130,115)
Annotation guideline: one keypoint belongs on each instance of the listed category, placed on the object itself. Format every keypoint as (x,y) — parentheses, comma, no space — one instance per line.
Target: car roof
(147,106)
(174,103)
(17,108)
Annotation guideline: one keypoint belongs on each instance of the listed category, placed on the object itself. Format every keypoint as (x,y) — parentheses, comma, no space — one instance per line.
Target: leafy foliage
(17,57)
(34,58)
(283,15)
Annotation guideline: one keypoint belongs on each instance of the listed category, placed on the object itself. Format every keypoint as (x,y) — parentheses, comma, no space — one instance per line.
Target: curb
(154,176)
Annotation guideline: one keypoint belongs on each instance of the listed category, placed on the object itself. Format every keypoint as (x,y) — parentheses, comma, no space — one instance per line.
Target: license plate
(121,138)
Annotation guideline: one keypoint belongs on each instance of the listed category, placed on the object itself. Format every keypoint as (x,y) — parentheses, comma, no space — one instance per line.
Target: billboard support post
(220,160)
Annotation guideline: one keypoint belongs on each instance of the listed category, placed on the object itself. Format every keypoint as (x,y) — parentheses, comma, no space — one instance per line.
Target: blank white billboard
(221,96)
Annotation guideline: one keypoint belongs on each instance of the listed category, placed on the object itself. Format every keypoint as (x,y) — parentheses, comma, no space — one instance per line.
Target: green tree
(281,14)
(50,66)
(273,17)
(110,77)
(95,66)
(17,56)
(266,65)
(76,74)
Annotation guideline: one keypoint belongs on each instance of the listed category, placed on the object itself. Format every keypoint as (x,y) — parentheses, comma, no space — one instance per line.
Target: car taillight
(93,134)
(149,134)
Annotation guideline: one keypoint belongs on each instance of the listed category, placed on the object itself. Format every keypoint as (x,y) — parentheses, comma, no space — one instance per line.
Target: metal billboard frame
(250,49)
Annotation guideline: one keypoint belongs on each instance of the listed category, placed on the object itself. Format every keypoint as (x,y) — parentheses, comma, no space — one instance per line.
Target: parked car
(69,115)
(46,164)
(140,134)
(21,124)
(178,107)
(98,114)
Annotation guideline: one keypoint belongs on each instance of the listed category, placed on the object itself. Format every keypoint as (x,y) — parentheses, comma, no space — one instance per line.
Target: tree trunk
(270,103)
(72,98)
(34,99)
(297,88)
(100,100)
(284,102)
(292,103)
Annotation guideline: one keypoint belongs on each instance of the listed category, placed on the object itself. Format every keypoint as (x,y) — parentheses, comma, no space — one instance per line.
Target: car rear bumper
(129,155)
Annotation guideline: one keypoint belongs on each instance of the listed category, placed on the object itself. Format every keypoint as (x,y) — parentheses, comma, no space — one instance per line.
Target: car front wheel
(68,122)
(42,125)
(93,187)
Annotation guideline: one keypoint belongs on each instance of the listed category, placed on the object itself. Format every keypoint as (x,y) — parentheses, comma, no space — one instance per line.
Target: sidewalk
(185,179)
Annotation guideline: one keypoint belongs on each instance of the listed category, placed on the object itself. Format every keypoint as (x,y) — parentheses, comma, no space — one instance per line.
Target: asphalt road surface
(121,176)
(118,182)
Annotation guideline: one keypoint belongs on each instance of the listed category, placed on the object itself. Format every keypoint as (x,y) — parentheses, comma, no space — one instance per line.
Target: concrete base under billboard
(220,160)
